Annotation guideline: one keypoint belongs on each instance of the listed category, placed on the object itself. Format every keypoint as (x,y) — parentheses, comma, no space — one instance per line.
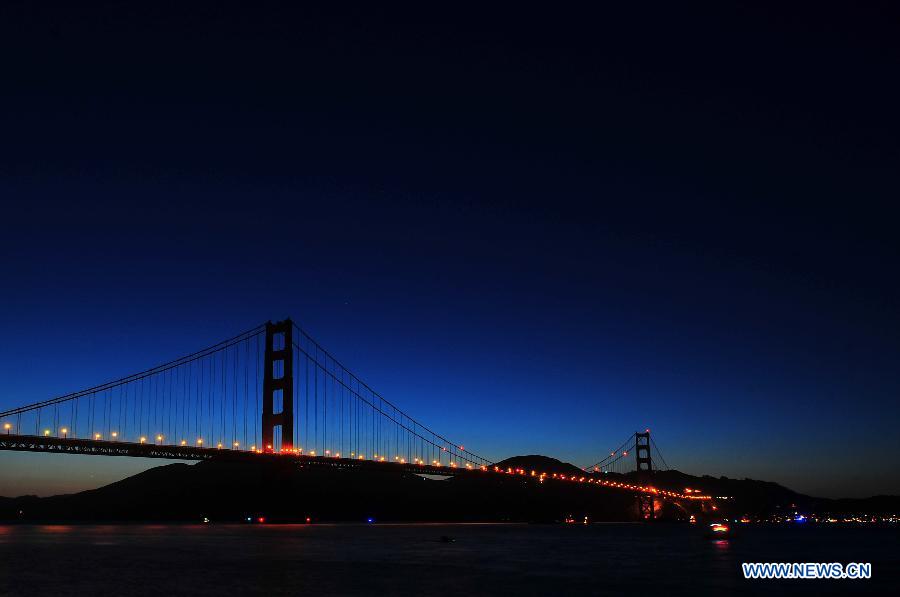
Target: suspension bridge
(274,392)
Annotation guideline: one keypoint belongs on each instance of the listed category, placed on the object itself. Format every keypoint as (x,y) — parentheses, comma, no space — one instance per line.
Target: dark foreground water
(381,559)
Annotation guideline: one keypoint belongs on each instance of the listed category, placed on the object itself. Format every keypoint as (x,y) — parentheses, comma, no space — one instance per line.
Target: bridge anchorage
(274,392)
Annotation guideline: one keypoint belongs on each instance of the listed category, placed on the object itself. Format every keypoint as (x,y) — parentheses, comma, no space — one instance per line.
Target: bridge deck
(62,445)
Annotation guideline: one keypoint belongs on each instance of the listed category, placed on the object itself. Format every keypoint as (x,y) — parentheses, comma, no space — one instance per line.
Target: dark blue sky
(535,232)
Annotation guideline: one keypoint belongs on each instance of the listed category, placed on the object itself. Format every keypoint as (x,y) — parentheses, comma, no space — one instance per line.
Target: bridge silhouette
(274,392)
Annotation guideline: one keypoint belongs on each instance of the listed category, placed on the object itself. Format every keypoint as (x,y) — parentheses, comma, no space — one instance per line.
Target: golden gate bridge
(274,392)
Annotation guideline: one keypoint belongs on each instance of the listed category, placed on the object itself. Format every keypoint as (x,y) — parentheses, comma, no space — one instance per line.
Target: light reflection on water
(56,528)
(416,559)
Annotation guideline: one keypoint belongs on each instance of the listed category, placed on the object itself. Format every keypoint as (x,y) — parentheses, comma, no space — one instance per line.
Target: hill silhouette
(284,491)
(290,492)
(536,462)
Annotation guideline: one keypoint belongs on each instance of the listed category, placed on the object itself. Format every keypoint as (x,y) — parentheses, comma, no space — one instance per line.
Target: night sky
(536,230)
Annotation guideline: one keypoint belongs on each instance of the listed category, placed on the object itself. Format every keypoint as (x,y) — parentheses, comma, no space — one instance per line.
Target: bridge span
(273,392)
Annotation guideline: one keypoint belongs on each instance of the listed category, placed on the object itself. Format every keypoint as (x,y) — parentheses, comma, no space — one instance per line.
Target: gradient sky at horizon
(534,232)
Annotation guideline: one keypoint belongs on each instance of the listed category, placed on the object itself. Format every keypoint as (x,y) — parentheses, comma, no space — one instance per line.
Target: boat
(718,530)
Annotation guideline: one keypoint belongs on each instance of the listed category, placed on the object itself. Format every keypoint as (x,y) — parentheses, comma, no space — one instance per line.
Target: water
(383,559)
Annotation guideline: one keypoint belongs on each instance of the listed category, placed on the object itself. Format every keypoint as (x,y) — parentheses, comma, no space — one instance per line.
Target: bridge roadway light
(159,438)
(143,440)
(64,431)
(46,433)
(114,434)
(7,426)
(237,445)
(97,436)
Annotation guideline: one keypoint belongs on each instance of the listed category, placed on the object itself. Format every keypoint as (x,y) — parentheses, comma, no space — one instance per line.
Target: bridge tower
(645,470)
(278,386)
(642,452)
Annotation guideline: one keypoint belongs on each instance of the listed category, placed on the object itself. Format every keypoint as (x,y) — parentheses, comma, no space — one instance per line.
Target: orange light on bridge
(97,436)
(114,434)
(199,441)
(219,445)
(64,431)
(184,442)
(159,438)
(7,426)
(236,445)
(143,440)
(46,432)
